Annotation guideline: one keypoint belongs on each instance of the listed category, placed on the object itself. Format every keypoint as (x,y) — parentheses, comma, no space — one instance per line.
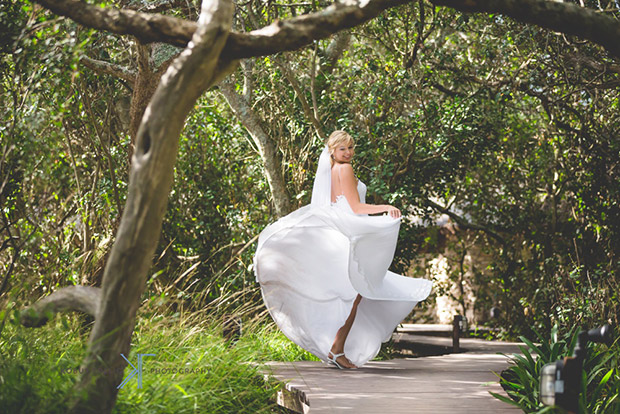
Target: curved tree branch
(291,34)
(334,51)
(73,298)
(108,68)
(464,223)
(148,28)
(562,17)
(266,148)
(281,35)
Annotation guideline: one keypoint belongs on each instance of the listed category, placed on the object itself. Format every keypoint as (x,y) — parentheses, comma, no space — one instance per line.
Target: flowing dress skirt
(312,264)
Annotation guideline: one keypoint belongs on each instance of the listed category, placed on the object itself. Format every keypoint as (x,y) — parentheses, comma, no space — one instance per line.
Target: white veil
(322,189)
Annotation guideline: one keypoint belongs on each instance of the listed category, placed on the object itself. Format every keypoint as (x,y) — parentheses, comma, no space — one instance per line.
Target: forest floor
(451,383)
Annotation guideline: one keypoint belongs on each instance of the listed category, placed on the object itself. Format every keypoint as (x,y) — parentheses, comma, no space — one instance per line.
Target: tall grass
(194,370)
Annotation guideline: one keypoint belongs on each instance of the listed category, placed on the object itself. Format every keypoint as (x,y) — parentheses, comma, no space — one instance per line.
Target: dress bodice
(361,190)
(342,202)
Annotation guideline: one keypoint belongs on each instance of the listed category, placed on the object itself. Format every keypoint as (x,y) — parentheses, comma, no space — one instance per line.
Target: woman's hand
(393,211)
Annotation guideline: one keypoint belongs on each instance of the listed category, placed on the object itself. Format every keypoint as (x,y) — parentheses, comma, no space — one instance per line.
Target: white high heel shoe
(331,359)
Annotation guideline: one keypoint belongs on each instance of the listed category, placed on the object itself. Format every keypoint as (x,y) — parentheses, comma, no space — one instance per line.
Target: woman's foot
(340,360)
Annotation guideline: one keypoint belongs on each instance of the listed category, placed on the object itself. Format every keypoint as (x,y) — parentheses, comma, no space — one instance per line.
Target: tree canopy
(176,138)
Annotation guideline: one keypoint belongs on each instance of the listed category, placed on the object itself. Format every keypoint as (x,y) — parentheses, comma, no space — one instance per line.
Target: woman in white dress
(323,269)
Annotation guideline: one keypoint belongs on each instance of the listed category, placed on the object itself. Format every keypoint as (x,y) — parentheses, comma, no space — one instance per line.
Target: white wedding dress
(312,263)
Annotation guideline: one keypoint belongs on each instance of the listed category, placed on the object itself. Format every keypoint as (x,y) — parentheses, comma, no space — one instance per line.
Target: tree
(212,53)
(200,66)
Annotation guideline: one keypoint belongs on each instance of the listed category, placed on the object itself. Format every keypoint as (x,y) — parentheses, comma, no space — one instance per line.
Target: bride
(323,269)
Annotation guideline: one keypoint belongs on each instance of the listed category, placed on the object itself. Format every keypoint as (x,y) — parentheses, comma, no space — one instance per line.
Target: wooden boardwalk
(453,383)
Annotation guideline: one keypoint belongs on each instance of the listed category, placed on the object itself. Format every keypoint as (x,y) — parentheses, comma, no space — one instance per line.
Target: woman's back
(339,185)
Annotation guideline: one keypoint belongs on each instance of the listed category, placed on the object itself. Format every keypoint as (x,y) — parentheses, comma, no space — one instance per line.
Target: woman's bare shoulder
(345,169)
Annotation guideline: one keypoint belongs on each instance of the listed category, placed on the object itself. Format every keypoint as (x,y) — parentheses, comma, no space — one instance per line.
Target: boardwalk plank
(455,383)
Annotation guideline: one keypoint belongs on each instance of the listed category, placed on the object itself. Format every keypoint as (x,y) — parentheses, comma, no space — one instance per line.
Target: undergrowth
(600,393)
(194,369)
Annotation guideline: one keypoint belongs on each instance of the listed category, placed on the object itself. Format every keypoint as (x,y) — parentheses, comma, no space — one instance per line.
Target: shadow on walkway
(452,383)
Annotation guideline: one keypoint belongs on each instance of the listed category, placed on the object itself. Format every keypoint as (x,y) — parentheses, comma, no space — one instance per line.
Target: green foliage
(57,210)
(491,120)
(36,364)
(601,378)
(511,127)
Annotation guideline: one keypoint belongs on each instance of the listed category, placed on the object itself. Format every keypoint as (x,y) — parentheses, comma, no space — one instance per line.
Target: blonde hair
(337,138)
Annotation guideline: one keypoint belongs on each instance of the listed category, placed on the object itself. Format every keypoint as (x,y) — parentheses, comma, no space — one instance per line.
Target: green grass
(37,366)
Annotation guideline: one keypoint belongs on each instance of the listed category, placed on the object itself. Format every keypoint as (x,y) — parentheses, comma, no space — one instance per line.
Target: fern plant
(600,393)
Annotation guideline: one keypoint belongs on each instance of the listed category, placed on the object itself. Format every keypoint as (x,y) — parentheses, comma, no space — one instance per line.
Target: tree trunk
(144,87)
(265,145)
(195,70)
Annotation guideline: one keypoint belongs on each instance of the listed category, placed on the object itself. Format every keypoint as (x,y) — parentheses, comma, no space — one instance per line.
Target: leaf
(558,351)
(505,399)
(544,345)
(601,385)
(554,333)
(531,346)
(521,360)
(514,385)
(178,387)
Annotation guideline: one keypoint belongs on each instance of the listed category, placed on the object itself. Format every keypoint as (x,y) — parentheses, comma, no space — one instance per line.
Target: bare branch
(447,91)
(73,298)
(108,68)
(436,154)
(248,67)
(308,111)
(600,67)
(145,27)
(163,6)
(281,35)
(307,4)
(268,151)
(291,34)
(464,223)
(7,275)
(562,17)
(420,38)
(335,50)
(315,107)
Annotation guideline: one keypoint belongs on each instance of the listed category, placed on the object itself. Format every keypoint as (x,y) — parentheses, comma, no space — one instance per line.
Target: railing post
(456,333)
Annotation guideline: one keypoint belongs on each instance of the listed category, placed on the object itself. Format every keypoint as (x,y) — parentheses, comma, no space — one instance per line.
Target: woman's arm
(349,189)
